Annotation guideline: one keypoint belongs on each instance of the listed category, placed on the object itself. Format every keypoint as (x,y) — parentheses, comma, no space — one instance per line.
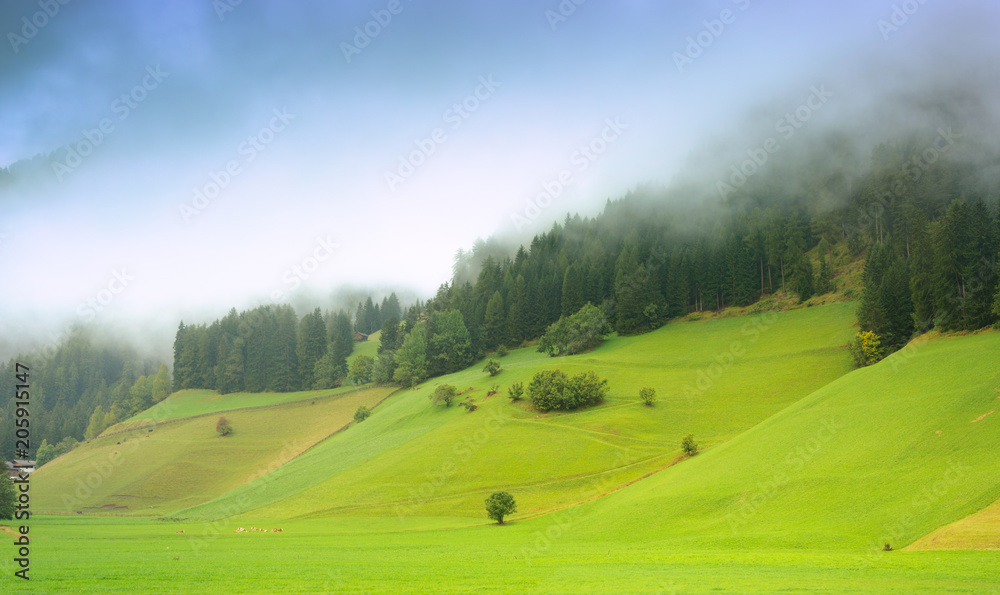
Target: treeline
(931,243)
(79,388)
(642,266)
(269,348)
(926,272)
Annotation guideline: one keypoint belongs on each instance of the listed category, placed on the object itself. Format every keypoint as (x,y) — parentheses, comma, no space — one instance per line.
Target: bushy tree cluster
(361,369)
(576,333)
(47,452)
(552,389)
(441,344)
(362,413)
(866,349)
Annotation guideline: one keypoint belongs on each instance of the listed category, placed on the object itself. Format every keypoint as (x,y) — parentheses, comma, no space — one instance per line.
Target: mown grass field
(192,402)
(807,470)
(885,454)
(161,468)
(441,555)
(715,379)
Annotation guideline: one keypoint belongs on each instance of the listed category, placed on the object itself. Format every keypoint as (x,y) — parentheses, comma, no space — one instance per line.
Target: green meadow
(806,470)
(160,468)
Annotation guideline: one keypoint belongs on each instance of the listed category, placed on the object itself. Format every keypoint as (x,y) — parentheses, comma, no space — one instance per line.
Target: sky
(227,153)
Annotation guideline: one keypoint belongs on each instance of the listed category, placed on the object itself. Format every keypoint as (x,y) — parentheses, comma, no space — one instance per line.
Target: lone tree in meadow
(493,367)
(223,427)
(689,446)
(362,414)
(648,396)
(445,393)
(499,505)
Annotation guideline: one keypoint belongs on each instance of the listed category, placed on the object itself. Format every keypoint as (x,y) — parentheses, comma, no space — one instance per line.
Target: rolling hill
(178,462)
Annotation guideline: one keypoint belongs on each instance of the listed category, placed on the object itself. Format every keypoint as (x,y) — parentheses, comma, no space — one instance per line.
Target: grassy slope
(814,532)
(369,347)
(714,378)
(884,454)
(192,402)
(979,531)
(185,462)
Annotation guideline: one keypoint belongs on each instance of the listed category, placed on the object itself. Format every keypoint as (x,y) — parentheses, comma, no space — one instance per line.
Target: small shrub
(499,505)
(866,349)
(445,393)
(493,390)
(689,446)
(502,351)
(223,427)
(648,396)
(470,406)
(361,414)
(887,548)
(552,389)
(516,391)
(493,367)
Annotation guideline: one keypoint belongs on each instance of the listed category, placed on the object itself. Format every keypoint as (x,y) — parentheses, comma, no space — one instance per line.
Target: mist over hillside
(695,132)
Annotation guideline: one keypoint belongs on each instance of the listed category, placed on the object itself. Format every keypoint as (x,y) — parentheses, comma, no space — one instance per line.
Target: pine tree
(572,290)
(922,278)
(260,327)
(950,243)
(391,308)
(804,279)
(516,320)
(161,384)
(183,361)
(234,368)
(871,311)
(310,346)
(389,338)
(897,303)
(824,282)
(980,268)
(494,320)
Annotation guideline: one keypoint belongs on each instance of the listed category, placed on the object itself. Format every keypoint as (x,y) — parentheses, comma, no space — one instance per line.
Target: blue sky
(313,141)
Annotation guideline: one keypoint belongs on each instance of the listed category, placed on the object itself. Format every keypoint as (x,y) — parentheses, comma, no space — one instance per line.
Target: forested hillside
(916,211)
(80,387)
(923,219)
(269,348)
